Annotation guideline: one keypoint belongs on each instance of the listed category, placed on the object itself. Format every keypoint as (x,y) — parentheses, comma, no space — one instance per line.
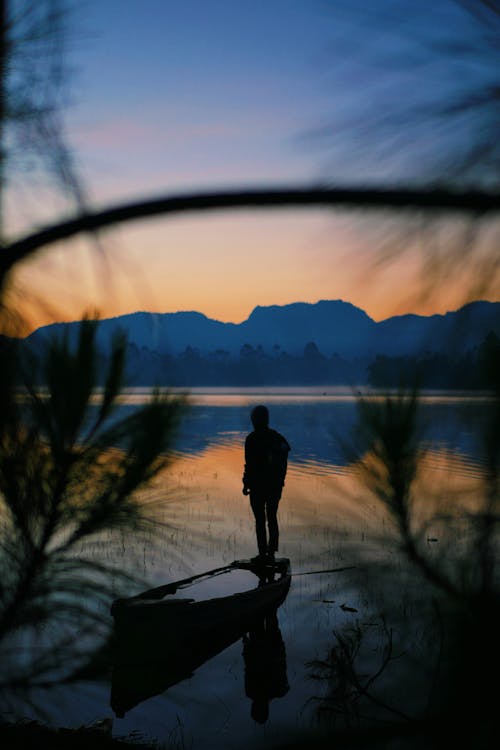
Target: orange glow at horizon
(225,265)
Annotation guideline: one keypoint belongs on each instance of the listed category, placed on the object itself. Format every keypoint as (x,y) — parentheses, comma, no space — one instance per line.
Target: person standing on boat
(266,456)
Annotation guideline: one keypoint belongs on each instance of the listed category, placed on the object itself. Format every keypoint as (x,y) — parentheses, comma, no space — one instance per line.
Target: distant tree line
(438,369)
(253,366)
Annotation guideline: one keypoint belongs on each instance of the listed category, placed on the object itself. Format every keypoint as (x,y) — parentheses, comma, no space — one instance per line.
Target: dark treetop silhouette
(266,456)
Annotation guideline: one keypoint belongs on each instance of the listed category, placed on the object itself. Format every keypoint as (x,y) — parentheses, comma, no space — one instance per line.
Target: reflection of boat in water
(157,642)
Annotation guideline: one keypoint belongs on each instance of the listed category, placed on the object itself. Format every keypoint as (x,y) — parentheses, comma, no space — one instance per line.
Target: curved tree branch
(436,200)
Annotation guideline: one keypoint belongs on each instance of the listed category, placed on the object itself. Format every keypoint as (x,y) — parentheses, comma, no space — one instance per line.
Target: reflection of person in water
(266,454)
(265,666)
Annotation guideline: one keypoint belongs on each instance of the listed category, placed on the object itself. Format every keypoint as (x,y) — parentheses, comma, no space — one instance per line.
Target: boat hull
(156,644)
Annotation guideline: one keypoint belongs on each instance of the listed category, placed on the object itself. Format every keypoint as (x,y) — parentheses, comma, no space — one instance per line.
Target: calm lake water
(327,517)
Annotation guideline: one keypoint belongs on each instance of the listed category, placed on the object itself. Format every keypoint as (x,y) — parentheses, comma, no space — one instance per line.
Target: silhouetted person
(264,655)
(266,455)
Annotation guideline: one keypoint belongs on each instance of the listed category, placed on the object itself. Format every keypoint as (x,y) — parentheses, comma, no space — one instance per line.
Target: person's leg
(272,522)
(258,505)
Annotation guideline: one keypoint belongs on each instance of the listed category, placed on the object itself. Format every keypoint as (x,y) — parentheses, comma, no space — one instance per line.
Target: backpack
(277,456)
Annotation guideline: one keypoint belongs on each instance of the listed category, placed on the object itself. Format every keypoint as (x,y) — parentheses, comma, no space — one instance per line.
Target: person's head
(260,710)
(260,417)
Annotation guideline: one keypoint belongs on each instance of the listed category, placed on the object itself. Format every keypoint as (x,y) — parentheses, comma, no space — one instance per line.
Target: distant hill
(335,327)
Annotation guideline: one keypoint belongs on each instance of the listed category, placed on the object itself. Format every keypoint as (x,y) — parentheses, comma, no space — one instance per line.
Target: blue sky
(170,96)
(199,93)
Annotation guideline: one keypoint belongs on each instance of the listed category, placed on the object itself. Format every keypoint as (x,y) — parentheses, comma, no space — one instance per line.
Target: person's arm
(246,471)
(285,450)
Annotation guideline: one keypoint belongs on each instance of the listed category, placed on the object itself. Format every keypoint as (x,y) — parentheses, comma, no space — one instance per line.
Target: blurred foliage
(437,689)
(34,82)
(427,100)
(69,471)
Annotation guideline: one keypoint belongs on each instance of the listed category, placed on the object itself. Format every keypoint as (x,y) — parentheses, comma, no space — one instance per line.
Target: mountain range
(335,327)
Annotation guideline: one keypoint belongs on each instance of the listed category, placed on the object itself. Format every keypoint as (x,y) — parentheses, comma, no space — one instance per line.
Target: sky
(167,96)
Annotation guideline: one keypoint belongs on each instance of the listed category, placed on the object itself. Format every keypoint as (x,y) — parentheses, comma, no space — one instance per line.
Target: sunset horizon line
(95,315)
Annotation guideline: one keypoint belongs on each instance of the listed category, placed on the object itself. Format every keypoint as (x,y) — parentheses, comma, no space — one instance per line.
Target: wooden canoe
(159,642)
